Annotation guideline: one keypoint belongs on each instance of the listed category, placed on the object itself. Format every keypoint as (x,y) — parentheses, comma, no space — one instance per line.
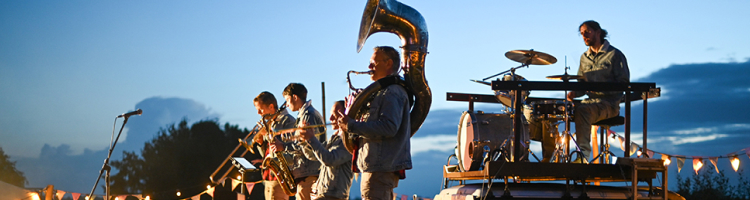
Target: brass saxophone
(406,22)
(280,168)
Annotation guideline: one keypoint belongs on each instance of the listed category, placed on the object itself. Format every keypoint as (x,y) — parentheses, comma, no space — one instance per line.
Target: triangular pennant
(240,196)
(60,194)
(735,162)
(403,197)
(747,152)
(650,153)
(250,186)
(235,183)
(137,196)
(75,195)
(633,148)
(196,197)
(697,163)
(223,181)
(394,196)
(122,197)
(713,161)
(92,197)
(680,163)
(210,191)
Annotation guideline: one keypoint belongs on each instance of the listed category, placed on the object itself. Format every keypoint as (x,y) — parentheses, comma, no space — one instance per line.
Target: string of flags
(698,161)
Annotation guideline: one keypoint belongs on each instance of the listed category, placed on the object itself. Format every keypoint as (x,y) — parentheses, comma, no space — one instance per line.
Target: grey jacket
(302,166)
(385,131)
(336,174)
(607,65)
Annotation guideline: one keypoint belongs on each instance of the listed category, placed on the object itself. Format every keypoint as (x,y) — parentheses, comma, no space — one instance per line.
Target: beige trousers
(378,185)
(304,188)
(273,191)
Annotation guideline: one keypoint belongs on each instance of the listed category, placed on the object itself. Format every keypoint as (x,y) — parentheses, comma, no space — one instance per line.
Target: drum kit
(487,136)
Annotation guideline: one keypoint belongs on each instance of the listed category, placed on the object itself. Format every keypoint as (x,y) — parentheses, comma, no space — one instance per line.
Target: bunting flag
(650,154)
(633,148)
(735,162)
(223,181)
(60,194)
(122,197)
(394,196)
(680,163)
(210,191)
(92,197)
(196,197)
(747,152)
(75,195)
(235,183)
(403,197)
(138,196)
(713,161)
(697,164)
(240,196)
(250,186)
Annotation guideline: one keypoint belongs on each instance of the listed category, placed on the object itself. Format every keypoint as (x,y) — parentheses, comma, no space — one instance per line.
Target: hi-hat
(564,77)
(531,57)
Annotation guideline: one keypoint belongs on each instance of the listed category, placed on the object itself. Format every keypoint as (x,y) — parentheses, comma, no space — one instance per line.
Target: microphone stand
(106,166)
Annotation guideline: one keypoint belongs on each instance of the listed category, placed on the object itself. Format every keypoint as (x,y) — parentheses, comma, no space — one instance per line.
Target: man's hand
(275,146)
(343,121)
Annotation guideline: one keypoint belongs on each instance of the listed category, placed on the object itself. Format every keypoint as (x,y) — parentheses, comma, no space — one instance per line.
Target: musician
(602,62)
(384,148)
(304,170)
(266,105)
(335,177)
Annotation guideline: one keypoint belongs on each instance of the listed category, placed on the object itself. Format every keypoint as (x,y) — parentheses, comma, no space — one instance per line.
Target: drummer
(600,63)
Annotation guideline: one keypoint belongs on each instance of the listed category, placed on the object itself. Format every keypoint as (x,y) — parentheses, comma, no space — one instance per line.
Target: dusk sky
(67,68)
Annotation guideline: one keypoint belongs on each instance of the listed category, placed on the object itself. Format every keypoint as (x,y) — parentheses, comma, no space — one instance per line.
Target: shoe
(578,160)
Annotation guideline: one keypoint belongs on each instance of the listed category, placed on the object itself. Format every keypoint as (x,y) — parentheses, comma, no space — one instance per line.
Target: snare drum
(506,97)
(477,130)
(550,109)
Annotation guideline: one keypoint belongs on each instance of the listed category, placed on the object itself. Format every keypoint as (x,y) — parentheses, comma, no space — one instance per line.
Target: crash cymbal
(531,57)
(564,77)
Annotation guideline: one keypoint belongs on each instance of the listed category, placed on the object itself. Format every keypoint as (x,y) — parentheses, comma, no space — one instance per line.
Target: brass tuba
(406,22)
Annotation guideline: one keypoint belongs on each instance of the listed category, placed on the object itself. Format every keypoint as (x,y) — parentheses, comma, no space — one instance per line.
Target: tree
(8,171)
(178,158)
(710,185)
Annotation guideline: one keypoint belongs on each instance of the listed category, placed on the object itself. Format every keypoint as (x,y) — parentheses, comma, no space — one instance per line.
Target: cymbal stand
(511,70)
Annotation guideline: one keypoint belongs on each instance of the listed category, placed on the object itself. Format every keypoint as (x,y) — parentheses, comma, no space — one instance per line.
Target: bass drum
(477,130)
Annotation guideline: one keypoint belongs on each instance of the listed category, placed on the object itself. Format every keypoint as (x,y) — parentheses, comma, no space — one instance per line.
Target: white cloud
(433,143)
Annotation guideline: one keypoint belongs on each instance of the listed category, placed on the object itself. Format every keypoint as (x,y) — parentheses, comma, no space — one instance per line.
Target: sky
(69,67)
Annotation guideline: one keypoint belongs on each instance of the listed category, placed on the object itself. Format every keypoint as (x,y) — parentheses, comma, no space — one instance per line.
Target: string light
(735,162)
(239,177)
(667,160)
(178,193)
(148,198)
(639,153)
(208,187)
(35,196)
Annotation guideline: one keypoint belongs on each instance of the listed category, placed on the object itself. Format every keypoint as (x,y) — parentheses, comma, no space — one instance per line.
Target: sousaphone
(397,18)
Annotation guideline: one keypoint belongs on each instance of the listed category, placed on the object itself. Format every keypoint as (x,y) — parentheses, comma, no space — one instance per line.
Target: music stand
(242,165)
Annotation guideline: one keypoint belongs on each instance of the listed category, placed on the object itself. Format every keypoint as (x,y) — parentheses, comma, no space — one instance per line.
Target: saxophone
(406,22)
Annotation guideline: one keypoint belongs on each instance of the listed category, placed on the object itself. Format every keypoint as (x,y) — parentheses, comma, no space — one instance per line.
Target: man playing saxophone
(266,105)
(304,170)
(384,131)
(336,174)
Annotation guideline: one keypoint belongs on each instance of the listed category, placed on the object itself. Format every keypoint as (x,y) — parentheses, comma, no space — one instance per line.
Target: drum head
(465,139)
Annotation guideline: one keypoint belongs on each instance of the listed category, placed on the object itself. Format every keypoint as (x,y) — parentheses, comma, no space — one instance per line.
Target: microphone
(136,112)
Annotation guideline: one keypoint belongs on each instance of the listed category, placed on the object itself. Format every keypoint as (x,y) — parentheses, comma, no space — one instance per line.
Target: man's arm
(391,113)
(337,155)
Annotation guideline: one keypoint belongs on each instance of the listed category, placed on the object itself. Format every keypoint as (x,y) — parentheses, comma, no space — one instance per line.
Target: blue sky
(67,68)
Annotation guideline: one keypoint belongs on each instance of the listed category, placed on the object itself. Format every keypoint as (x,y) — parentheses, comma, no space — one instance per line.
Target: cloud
(77,173)
(159,112)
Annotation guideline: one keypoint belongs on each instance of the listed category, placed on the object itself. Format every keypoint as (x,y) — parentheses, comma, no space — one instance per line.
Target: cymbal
(531,57)
(564,77)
